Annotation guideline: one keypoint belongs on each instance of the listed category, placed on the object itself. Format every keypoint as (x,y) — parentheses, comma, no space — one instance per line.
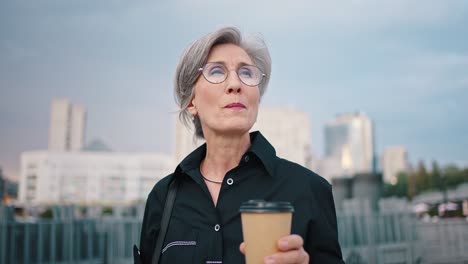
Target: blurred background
(370,95)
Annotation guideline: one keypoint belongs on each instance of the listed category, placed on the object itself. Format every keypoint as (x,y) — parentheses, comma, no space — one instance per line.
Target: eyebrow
(240,64)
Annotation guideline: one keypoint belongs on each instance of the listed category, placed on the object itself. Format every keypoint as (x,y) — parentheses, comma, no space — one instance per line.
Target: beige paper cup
(263,224)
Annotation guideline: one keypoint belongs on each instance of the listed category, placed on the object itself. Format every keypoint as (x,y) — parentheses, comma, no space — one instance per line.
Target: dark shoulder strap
(166,216)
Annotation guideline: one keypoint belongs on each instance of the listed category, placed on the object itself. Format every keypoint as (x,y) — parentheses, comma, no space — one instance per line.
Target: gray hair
(196,55)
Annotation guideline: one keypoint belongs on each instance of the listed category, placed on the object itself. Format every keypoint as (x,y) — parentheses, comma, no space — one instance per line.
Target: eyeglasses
(215,72)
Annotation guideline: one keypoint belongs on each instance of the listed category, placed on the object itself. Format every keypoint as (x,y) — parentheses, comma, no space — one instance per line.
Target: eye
(216,70)
(246,72)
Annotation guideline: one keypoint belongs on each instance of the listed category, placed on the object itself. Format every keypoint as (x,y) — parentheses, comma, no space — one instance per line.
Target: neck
(223,154)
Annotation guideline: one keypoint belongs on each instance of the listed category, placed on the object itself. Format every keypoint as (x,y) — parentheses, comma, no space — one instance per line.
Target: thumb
(242,248)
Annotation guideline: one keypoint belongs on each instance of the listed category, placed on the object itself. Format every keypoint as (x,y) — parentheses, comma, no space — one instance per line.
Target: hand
(291,251)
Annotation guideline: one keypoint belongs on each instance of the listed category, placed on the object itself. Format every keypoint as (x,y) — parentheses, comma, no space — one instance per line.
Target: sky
(403,63)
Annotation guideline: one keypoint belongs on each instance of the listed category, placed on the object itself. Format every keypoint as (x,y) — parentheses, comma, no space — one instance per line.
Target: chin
(233,129)
(232,125)
(236,123)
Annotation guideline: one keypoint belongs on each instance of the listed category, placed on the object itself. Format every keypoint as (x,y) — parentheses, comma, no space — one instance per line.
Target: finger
(288,257)
(290,242)
(242,248)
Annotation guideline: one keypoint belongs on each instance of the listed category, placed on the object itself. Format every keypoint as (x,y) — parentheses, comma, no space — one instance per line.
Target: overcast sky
(404,63)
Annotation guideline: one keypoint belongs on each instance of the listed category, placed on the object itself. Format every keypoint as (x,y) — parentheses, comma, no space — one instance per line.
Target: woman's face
(229,107)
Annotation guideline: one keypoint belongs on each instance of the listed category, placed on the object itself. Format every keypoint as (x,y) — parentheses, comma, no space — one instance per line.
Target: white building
(288,130)
(90,177)
(330,167)
(185,142)
(394,161)
(67,126)
(349,146)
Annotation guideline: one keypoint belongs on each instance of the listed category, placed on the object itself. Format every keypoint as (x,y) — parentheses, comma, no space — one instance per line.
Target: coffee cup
(263,224)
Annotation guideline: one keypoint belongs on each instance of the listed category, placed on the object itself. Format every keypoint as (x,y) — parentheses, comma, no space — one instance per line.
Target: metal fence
(444,241)
(402,238)
(378,238)
(374,238)
(89,241)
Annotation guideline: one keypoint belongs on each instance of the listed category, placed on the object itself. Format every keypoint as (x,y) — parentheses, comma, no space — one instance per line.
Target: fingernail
(269,260)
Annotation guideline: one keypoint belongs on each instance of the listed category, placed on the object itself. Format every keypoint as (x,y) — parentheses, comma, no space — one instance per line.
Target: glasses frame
(201,70)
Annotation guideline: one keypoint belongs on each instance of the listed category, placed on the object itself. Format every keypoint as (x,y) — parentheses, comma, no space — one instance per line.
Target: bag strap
(166,216)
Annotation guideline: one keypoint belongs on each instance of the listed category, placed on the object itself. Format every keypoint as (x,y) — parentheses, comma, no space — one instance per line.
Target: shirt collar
(263,150)
(260,147)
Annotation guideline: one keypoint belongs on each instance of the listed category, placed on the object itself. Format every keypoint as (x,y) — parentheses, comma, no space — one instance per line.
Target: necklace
(206,179)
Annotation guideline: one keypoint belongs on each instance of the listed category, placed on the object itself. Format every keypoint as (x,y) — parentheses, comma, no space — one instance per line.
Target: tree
(411,191)
(400,188)
(436,176)
(421,178)
(453,176)
(409,184)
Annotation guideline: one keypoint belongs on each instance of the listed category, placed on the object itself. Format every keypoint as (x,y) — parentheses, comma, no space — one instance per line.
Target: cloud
(335,15)
(434,73)
(139,127)
(12,52)
(395,59)
(427,75)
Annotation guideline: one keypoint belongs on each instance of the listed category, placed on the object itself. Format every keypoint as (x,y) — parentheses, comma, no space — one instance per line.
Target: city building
(394,161)
(185,141)
(349,146)
(67,126)
(362,191)
(51,177)
(287,129)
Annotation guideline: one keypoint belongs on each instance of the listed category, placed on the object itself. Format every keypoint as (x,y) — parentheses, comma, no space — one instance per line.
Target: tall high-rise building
(394,161)
(287,129)
(349,146)
(67,126)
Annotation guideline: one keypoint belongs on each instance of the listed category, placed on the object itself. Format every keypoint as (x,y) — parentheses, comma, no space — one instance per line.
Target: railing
(76,241)
(377,238)
(401,238)
(445,241)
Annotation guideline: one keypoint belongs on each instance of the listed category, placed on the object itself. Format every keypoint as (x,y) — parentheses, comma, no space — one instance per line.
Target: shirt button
(217,227)
(246,158)
(230,181)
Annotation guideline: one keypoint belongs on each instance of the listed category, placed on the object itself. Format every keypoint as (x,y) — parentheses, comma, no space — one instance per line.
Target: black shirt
(199,232)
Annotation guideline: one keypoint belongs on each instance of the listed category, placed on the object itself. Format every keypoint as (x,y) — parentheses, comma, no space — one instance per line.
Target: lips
(235,105)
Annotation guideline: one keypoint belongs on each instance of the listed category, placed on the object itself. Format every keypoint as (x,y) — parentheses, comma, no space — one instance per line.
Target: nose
(233,83)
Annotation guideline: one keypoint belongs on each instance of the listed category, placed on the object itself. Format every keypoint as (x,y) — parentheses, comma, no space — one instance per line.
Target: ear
(192,108)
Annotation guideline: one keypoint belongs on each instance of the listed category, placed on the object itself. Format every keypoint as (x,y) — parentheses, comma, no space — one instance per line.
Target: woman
(219,82)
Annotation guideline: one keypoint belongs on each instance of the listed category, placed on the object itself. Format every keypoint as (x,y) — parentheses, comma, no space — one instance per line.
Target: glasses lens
(250,75)
(215,72)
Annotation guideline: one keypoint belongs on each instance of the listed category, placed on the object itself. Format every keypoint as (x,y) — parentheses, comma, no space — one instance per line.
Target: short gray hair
(196,55)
